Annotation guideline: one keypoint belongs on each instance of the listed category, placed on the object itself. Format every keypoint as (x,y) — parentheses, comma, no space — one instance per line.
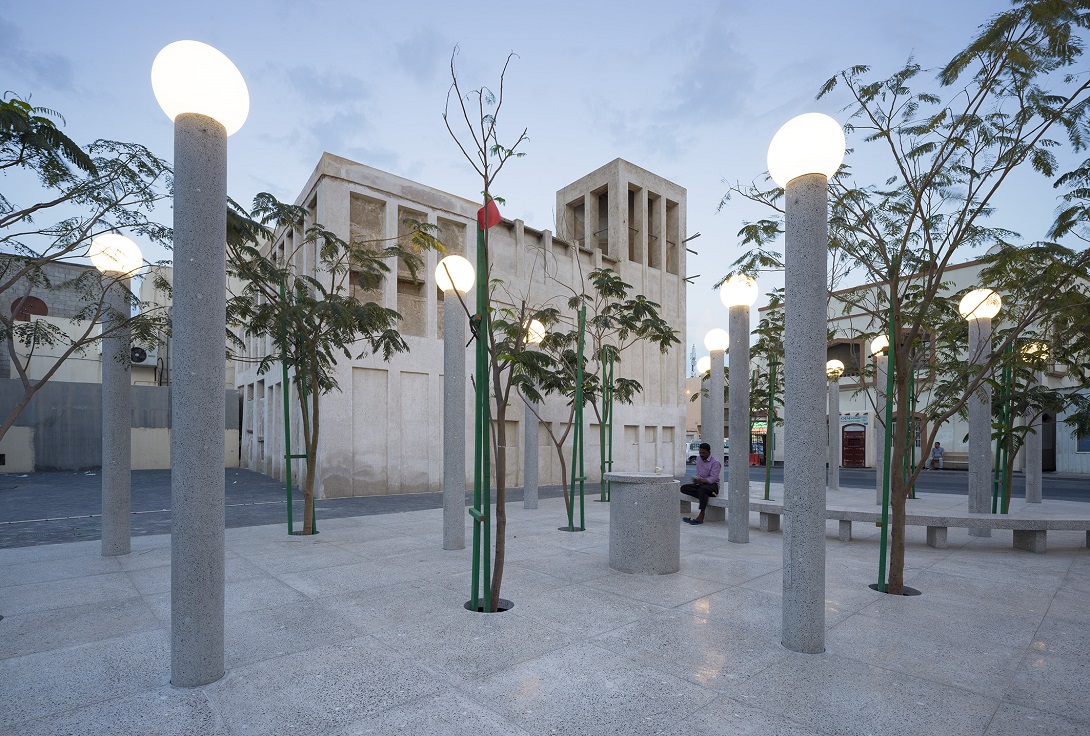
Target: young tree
(999,107)
(312,317)
(479,142)
(81,193)
(615,322)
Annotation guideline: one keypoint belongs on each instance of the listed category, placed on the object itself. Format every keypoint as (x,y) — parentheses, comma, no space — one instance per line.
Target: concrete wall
(382,432)
(66,422)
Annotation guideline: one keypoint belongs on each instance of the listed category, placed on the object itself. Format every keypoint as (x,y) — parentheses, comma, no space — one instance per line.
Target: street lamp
(738,295)
(116,257)
(535,333)
(803,154)
(204,94)
(1036,354)
(711,415)
(454,276)
(834,369)
(979,306)
(703,365)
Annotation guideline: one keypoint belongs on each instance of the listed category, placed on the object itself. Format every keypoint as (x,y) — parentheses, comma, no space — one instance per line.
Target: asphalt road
(47,508)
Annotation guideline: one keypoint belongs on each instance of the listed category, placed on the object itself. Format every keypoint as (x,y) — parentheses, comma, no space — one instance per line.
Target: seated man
(706,483)
(937,453)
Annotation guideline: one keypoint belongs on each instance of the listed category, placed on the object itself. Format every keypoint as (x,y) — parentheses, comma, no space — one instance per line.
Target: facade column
(834,434)
(529,459)
(1032,452)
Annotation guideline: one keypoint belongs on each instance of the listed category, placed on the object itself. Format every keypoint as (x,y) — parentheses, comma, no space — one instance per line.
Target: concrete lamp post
(454,276)
(979,306)
(204,94)
(879,348)
(738,294)
(834,369)
(711,420)
(803,154)
(117,258)
(535,333)
(1036,354)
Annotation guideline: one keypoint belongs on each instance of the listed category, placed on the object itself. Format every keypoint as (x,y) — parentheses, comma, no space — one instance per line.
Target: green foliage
(81,193)
(313,318)
(1016,95)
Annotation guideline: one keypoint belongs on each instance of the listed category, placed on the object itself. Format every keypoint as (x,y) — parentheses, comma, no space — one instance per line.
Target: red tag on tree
(488,215)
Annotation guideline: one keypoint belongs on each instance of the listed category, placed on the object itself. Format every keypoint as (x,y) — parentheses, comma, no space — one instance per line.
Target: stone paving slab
(361,630)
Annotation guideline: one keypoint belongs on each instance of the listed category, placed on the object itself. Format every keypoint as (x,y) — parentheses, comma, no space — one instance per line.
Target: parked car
(692,452)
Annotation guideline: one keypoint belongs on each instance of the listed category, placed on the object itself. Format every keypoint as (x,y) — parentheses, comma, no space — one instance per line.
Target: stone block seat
(955,461)
(1030,526)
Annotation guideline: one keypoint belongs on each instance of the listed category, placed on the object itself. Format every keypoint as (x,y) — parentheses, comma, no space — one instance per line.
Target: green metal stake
(769,436)
(482,486)
(891,370)
(288,456)
(577,435)
(605,430)
(910,454)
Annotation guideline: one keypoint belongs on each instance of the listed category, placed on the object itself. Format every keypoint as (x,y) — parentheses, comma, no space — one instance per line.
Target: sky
(693,90)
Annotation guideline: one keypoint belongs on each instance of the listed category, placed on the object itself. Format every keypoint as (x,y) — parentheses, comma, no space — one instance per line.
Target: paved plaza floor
(362,630)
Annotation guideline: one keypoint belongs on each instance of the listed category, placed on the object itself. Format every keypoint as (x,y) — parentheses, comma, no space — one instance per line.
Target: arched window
(24,307)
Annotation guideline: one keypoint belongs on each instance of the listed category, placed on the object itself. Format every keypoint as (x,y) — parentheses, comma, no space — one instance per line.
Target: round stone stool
(644,531)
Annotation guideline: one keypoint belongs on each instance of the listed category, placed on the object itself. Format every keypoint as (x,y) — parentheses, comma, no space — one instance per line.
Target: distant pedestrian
(937,453)
(706,482)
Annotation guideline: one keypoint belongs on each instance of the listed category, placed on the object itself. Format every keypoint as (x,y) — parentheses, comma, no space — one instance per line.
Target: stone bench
(1029,534)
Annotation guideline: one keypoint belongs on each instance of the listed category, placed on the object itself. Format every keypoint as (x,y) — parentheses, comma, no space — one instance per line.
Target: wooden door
(853,446)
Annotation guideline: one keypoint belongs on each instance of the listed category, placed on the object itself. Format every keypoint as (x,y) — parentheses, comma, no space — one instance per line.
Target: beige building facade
(382,432)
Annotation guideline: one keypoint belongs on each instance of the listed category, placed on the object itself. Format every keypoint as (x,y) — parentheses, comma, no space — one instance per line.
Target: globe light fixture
(879,345)
(114,253)
(980,304)
(535,332)
(1035,352)
(454,273)
(834,369)
(738,290)
(193,77)
(716,340)
(703,365)
(808,144)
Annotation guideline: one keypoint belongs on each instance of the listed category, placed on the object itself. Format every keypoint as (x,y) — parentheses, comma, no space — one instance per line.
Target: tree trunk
(898,490)
(310,439)
(501,503)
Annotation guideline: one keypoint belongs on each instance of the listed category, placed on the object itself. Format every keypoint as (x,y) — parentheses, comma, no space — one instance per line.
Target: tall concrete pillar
(833,481)
(197,403)
(738,475)
(1033,455)
(806,254)
(882,360)
(454,423)
(980,425)
(529,459)
(712,430)
(116,424)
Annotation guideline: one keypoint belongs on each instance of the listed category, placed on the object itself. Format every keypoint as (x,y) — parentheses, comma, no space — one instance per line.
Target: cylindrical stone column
(116,423)
(1033,455)
(881,378)
(197,402)
(980,425)
(834,435)
(738,475)
(530,459)
(644,536)
(454,424)
(713,432)
(806,253)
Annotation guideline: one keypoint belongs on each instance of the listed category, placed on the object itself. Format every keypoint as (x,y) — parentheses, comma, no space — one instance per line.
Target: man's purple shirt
(709,469)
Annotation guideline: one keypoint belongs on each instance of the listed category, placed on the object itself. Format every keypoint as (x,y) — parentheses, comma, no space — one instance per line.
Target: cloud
(715,81)
(423,55)
(35,68)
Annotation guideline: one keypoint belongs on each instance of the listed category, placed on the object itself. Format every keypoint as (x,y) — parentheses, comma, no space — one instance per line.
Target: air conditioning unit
(142,356)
